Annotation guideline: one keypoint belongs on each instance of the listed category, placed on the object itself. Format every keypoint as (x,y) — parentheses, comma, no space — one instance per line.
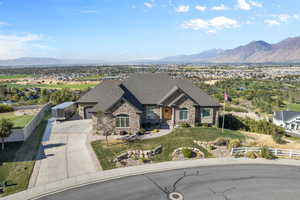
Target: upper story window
(183,114)
(122,121)
(206,112)
(150,114)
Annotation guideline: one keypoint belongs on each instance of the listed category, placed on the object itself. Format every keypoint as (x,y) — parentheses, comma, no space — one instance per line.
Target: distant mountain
(33,61)
(255,52)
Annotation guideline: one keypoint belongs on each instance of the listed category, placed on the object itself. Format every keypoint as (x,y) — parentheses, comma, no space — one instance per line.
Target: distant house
(63,111)
(148,99)
(290,120)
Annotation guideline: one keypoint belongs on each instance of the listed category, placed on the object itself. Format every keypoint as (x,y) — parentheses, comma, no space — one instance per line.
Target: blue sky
(134,29)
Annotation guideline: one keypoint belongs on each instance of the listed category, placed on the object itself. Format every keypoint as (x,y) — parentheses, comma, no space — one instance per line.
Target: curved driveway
(230,182)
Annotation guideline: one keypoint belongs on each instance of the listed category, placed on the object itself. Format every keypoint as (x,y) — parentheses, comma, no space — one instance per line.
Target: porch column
(161,114)
(173,117)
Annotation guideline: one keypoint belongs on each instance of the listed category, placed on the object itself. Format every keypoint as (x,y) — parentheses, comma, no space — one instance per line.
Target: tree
(106,124)
(5,130)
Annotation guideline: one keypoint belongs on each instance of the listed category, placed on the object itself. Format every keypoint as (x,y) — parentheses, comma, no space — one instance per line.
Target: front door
(167,113)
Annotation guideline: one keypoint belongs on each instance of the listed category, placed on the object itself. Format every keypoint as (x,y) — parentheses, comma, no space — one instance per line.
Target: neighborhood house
(145,100)
(289,120)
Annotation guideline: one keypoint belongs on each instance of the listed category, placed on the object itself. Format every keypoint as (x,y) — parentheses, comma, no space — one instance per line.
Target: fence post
(231,151)
(291,154)
(276,152)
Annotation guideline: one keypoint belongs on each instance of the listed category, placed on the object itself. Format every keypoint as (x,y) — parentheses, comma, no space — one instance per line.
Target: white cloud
(243,5)
(182,8)
(256,4)
(212,25)
(220,7)
(272,22)
(4,24)
(88,11)
(13,46)
(284,17)
(200,8)
(148,4)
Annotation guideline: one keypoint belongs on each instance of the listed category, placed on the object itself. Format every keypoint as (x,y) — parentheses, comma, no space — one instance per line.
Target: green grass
(53,86)
(293,107)
(176,139)
(94,77)
(18,160)
(19,121)
(15,76)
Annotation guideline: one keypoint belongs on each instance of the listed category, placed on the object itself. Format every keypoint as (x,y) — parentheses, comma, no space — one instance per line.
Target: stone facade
(189,105)
(122,108)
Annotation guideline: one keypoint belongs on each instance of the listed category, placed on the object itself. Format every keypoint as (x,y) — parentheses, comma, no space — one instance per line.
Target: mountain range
(286,51)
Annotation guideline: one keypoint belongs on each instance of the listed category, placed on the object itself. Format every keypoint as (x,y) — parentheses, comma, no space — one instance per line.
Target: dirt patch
(254,139)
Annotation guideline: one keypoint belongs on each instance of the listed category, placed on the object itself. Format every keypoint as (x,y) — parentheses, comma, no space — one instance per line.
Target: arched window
(183,114)
(122,121)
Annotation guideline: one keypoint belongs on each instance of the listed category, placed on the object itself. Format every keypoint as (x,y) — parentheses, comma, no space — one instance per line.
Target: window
(122,121)
(206,112)
(150,114)
(183,114)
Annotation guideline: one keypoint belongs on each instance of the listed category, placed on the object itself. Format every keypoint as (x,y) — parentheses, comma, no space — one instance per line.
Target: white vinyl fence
(277,152)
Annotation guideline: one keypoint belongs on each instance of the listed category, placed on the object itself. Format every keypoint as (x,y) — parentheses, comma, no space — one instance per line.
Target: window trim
(126,121)
(187,114)
(202,111)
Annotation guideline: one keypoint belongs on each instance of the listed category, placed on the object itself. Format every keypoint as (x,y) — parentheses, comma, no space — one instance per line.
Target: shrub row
(5,108)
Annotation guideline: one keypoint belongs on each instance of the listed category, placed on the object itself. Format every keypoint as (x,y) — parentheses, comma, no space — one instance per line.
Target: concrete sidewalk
(64,153)
(102,176)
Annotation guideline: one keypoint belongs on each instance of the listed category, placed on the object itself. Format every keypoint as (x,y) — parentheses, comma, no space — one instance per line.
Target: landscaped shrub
(266,153)
(234,143)
(185,125)
(5,108)
(198,124)
(187,153)
(156,131)
(222,141)
(205,125)
(141,131)
(251,155)
(123,133)
(278,138)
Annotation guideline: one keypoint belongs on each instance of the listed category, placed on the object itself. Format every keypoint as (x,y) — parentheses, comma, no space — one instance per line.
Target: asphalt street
(231,182)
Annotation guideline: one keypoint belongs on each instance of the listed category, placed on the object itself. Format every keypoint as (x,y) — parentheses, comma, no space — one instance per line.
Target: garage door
(87,114)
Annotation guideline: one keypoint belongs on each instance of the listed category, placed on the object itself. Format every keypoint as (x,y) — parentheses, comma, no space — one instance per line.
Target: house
(148,99)
(290,120)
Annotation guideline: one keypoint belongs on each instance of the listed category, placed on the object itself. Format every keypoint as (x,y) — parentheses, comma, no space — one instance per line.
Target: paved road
(232,182)
(64,153)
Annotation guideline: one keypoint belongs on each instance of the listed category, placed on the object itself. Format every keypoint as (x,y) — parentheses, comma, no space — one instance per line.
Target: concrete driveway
(65,152)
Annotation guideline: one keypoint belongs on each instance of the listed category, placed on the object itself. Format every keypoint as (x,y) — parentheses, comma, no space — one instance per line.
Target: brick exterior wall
(123,108)
(189,104)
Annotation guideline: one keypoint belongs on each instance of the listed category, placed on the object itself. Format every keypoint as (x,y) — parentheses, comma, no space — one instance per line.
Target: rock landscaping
(178,154)
(136,157)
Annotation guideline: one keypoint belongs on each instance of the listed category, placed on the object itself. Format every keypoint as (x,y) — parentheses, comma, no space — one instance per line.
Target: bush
(221,141)
(156,131)
(185,125)
(266,153)
(141,131)
(198,124)
(251,155)
(5,108)
(205,125)
(123,133)
(187,153)
(234,143)
(278,138)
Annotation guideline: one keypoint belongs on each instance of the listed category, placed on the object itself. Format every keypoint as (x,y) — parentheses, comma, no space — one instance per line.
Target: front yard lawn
(178,138)
(19,121)
(17,161)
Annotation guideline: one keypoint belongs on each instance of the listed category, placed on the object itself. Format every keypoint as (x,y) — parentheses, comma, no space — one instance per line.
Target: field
(19,121)
(18,161)
(294,107)
(54,86)
(20,76)
(178,138)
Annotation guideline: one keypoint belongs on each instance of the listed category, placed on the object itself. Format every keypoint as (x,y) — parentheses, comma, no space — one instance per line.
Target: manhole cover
(175,196)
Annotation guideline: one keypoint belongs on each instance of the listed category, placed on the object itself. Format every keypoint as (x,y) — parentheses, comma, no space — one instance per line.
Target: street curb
(75,182)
